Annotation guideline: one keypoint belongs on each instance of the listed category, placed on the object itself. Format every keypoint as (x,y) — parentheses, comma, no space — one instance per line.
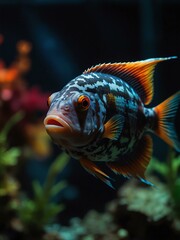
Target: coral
(155,203)
(94,226)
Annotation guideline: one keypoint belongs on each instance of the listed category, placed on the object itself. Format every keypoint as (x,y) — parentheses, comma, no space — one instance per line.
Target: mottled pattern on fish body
(113,96)
(101,116)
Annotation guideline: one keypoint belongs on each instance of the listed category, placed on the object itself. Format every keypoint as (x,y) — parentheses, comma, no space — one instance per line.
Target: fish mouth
(57,123)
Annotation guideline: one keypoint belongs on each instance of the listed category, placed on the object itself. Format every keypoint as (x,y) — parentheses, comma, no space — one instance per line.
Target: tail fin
(166,112)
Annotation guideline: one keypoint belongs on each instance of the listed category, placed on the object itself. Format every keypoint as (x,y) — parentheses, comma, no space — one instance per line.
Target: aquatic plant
(22,137)
(35,213)
(8,156)
(138,212)
(169,171)
(156,208)
(18,212)
(9,186)
(15,96)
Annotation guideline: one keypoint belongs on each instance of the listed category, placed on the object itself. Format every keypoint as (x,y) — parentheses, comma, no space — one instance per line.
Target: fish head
(73,119)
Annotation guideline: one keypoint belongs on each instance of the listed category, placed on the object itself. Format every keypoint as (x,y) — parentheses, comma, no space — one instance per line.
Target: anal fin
(135,164)
(95,170)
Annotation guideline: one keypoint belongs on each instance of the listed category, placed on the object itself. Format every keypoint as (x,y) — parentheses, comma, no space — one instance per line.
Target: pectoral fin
(135,164)
(113,128)
(95,171)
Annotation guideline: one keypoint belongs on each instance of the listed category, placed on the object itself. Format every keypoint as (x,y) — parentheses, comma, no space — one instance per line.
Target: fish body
(101,116)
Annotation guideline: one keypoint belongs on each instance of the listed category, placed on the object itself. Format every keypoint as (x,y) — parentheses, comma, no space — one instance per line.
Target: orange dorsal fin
(138,75)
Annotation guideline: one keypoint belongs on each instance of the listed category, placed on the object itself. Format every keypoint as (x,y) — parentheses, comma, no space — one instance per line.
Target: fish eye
(48,102)
(83,103)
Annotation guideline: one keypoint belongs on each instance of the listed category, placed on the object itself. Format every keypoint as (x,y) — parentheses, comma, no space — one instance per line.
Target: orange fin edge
(113,127)
(96,171)
(138,75)
(166,112)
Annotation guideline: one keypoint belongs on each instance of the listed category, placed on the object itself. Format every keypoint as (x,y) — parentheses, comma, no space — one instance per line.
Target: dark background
(70,36)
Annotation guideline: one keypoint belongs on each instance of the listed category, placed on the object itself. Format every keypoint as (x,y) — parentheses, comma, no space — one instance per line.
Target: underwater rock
(138,212)
(94,226)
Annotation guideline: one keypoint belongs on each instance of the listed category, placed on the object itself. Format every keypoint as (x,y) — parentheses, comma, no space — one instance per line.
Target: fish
(101,119)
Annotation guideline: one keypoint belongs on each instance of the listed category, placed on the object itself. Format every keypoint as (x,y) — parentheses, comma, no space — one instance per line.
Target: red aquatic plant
(16,95)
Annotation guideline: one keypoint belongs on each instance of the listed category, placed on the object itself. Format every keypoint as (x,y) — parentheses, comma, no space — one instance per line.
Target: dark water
(70,36)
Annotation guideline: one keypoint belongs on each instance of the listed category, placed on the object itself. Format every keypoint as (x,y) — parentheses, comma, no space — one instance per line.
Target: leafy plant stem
(17,117)
(56,167)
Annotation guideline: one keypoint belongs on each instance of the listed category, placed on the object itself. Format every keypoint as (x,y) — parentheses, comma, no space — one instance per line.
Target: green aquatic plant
(8,159)
(34,214)
(19,213)
(9,185)
(8,156)
(22,137)
(169,171)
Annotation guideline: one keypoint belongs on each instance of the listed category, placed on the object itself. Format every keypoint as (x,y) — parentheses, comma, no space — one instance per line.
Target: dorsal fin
(138,75)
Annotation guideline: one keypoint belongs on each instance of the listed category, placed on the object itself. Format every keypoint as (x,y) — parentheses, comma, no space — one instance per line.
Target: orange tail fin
(166,112)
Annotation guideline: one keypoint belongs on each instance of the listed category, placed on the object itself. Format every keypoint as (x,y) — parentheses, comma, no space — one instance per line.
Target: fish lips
(63,134)
(57,127)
